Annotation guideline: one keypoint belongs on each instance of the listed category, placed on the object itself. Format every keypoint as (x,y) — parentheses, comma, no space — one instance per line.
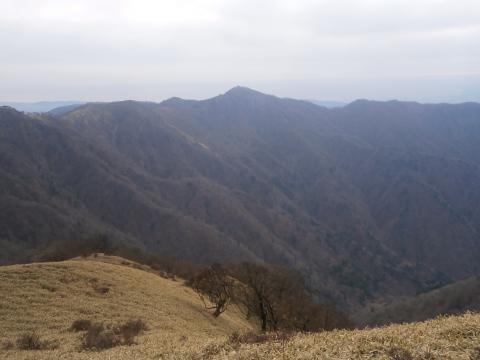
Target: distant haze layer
(107,50)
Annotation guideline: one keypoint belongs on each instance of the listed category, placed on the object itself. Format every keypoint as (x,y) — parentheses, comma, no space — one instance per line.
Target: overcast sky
(425,50)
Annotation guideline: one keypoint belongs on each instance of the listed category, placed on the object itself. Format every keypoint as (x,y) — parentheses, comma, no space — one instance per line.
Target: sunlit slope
(48,297)
(447,338)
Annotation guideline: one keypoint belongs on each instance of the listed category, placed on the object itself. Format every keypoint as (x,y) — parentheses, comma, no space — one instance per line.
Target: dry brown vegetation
(445,338)
(275,296)
(172,312)
(99,337)
(31,341)
(179,327)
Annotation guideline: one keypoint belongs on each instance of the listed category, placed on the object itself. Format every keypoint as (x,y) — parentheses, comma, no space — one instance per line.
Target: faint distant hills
(47,106)
(41,106)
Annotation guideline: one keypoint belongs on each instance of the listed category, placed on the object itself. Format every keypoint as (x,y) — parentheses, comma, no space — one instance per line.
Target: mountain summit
(242,91)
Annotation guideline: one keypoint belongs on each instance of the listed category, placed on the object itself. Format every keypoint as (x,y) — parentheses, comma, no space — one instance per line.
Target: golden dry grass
(49,297)
(446,338)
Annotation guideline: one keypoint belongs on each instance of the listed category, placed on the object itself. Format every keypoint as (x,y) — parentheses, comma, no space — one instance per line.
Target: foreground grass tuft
(236,339)
(397,353)
(100,337)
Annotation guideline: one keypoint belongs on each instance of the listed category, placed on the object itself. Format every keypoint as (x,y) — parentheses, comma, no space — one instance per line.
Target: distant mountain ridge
(329,103)
(369,200)
(41,106)
(455,298)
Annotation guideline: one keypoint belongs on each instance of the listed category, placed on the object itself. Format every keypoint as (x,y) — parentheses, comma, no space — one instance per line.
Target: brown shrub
(99,337)
(130,330)
(7,345)
(101,289)
(81,325)
(31,341)
(48,287)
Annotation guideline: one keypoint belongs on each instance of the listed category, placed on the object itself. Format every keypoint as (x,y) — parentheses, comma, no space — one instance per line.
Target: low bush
(130,330)
(99,337)
(81,325)
(32,341)
(48,287)
(7,345)
(102,290)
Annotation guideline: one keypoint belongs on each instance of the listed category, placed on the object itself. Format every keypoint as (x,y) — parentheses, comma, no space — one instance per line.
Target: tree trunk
(263,316)
(219,309)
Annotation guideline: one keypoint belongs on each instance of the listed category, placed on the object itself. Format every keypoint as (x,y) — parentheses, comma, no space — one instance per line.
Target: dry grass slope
(48,297)
(445,338)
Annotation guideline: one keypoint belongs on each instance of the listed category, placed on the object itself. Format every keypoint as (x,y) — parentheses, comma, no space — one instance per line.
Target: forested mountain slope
(368,200)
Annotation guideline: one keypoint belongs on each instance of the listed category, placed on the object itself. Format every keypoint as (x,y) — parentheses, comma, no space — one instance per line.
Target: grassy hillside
(48,297)
(447,338)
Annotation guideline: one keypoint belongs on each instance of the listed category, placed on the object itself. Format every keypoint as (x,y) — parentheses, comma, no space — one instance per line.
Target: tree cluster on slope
(273,295)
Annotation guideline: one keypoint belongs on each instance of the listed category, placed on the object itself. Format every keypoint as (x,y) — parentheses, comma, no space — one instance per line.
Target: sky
(105,50)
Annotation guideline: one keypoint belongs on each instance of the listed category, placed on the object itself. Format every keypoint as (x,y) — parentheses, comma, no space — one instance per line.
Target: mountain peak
(243,91)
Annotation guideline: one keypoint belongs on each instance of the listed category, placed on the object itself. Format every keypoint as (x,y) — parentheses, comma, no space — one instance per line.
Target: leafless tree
(216,285)
(277,297)
(264,292)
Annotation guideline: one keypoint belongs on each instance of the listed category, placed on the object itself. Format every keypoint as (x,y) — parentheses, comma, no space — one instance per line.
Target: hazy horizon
(320,101)
(424,51)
